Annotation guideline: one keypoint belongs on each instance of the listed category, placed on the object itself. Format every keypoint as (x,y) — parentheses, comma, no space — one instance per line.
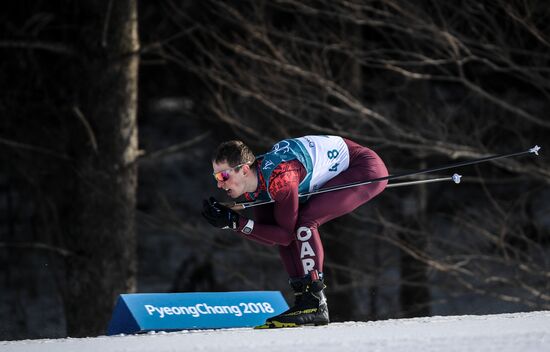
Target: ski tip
(535,150)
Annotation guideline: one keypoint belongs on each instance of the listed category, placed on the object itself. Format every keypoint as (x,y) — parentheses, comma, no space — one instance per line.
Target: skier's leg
(290,260)
(324,207)
(264,215)
(311,307)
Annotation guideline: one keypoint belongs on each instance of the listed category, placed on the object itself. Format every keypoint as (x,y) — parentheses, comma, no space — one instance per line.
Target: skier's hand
(218,215)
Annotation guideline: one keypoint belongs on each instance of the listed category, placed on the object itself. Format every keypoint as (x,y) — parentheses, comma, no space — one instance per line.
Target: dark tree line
(424,84)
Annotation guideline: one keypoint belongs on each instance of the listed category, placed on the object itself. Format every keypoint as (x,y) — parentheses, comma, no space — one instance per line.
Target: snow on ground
(502,333)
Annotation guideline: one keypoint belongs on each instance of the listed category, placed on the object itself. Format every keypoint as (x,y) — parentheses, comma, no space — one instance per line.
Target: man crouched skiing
(291,167)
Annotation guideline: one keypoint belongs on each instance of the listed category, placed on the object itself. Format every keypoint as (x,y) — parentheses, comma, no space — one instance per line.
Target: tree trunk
(101,229)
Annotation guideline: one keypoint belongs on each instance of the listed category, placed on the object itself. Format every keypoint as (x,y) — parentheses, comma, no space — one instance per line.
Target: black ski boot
(310,307)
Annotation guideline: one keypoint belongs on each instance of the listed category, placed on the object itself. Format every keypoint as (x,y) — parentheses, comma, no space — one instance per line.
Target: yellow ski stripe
(276,325)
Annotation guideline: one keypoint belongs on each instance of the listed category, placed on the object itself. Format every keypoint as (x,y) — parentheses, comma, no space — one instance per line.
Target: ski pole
(455,178)
(535,150)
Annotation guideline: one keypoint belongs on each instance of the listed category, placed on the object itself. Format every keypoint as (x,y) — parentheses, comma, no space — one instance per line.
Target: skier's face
(230,179)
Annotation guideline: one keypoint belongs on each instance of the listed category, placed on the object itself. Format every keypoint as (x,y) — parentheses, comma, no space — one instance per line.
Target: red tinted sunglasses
(223,175)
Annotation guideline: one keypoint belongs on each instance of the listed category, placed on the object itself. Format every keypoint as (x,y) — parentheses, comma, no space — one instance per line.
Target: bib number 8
(332,154)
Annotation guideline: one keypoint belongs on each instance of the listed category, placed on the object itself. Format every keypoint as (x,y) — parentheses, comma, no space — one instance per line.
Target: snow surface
(502,332)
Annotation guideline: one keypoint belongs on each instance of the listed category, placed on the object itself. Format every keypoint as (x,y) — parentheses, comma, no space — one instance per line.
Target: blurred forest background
(110,110)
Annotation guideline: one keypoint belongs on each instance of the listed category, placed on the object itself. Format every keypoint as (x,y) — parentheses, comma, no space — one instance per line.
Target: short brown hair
(234,153)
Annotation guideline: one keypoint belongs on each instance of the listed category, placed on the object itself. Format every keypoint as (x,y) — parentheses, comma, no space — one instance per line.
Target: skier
(291,167)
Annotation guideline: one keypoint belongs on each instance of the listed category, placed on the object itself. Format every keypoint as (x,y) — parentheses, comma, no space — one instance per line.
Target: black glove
(218,215)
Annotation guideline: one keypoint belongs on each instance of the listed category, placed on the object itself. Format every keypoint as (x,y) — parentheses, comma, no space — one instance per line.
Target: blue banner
(143,312)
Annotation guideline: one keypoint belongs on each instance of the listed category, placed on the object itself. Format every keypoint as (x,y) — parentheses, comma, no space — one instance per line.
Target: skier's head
(232,164)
